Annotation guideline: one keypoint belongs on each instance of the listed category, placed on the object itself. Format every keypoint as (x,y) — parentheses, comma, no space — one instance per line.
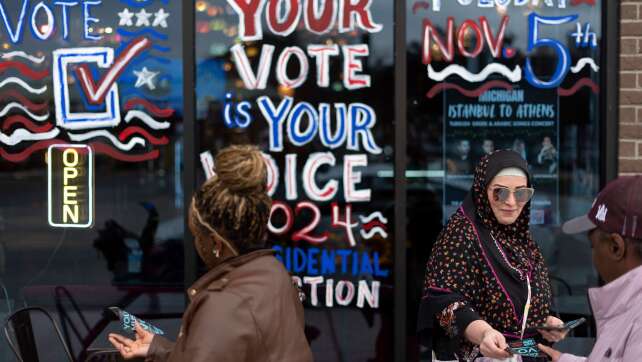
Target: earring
(217,253)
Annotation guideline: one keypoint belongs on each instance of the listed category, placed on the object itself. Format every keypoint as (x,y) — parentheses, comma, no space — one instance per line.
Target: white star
(125,17)
(142,18)
(160,18)
(145,77)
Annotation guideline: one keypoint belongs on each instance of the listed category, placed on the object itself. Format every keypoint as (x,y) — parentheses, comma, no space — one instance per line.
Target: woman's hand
(493,344)
(553,336)
(132,349)
(554,354)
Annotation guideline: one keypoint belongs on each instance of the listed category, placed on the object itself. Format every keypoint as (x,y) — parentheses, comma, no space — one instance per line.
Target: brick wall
(630,142)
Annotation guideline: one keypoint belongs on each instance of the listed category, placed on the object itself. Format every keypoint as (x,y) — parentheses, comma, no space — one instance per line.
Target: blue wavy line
(147,59)
(129,93)
(153,33)
(140,4)
(156,47)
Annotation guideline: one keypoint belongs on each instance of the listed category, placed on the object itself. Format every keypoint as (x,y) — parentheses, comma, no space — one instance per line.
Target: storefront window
(311,83)
(92,147)
(522,75)
(107,227)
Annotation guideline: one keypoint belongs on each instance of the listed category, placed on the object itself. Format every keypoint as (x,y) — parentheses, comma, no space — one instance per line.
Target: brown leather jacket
(246,309)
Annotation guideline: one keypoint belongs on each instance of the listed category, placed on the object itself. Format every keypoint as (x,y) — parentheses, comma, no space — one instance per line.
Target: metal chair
(19,324)
(104,355)
(83,332)
(5,311)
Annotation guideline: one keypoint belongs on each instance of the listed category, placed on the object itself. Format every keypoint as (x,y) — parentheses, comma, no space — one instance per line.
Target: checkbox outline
(62,59)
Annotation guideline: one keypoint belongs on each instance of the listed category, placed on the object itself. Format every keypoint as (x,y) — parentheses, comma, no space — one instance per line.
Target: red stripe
(373,224)
(329,192)
(27,123)
(13,94)
(96,146)
(584,82)
(110,151)
(579,2)
(135,129)
(24,154)
(24,70)
(152,108)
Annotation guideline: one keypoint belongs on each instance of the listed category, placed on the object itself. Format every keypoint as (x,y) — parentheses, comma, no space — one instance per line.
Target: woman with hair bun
(245,308)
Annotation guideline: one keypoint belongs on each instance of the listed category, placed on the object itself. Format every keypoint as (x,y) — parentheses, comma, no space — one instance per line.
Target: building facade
(371,115)
(630,154)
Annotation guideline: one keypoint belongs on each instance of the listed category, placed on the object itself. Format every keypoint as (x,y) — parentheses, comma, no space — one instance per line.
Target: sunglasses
(522,195)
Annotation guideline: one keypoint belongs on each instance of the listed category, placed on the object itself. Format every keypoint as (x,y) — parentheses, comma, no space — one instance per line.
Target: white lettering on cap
(601,213)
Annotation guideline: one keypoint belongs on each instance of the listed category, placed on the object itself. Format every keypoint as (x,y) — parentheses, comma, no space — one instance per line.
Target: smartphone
(128,321)
(526,348)
(564,327)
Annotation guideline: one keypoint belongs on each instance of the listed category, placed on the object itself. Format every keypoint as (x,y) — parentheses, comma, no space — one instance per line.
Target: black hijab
(476,207)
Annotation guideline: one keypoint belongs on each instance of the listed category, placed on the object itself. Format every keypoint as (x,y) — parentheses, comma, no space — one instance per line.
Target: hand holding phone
(133,348)
(564,327)
(526,348)
(128,321)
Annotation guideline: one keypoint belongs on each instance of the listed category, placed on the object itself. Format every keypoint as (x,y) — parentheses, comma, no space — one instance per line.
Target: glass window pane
(108,75)
(499,75)
(314,89)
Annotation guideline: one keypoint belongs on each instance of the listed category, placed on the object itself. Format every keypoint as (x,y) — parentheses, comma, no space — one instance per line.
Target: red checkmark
(578,2)
(96,93)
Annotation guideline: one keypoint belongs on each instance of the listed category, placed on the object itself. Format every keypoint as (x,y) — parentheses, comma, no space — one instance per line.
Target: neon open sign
(70,186)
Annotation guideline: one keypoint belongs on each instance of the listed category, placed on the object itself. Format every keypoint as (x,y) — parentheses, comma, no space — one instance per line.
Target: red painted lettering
(463,36)
(319,24)
(359,13)
(249,18)
(433,42)
(431,34)
(495,44)
(283,27)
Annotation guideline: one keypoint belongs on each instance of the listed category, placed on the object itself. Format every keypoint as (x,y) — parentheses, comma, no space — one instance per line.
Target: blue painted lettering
(89,20)
(275,118)
(353,125)
(42,22)
(15,34)
(362,120)
(313,260)
(300,261)
(65,16)
(328,265)
(296,135)
(328,139)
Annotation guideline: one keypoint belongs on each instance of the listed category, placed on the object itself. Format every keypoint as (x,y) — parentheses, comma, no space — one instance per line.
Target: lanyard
(527,307)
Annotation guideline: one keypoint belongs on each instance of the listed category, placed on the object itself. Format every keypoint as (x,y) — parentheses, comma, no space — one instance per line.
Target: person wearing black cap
(614,226)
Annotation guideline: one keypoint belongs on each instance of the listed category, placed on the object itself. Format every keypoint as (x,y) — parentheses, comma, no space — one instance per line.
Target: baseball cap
(617,209)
